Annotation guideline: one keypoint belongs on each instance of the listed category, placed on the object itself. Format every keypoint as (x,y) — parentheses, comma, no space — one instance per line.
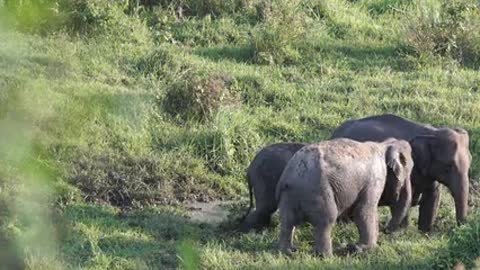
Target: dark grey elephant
(335,178)
(440,155)
(262,177)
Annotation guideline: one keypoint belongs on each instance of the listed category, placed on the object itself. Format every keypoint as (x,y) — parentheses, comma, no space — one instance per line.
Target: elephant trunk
(460,195)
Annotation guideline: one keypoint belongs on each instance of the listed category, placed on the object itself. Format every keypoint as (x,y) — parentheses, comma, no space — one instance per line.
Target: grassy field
(113,116)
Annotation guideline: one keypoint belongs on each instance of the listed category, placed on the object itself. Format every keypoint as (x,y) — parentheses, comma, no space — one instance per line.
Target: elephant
(263,174)
(440,155)
(340,177)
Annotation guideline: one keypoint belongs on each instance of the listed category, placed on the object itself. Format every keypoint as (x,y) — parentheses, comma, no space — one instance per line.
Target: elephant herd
(382,160)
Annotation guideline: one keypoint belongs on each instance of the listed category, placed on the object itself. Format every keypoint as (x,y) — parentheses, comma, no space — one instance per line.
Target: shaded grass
(100,236)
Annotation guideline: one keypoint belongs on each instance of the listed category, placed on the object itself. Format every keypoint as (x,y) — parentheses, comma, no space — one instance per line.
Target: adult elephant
(441,155)
(342,177)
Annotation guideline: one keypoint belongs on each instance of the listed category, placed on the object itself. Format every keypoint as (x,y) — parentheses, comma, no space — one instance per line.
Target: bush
(106,19)
(229,145)
(36,16)
(161,63)
(208,32)
(215,8)
(380,7)
(462,246)
(274,39)
(446,29)
(197,95)
(343,19)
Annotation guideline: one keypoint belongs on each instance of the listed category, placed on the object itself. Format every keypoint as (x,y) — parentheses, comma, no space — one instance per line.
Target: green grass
(97,161)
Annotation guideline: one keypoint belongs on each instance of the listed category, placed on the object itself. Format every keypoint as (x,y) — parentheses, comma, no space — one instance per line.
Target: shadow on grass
(358,57)
(236,54)
(164,238)
(143,238)
(353,56)
(146,238)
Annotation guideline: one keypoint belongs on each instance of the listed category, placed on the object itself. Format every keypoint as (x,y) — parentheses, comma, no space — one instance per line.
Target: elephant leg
(366,219)
(400,209)
(258,219)
(266,208)
(428,208)
(266,205)
(323,240)
(287,229)
(405,221)
(322,214)
(252,221)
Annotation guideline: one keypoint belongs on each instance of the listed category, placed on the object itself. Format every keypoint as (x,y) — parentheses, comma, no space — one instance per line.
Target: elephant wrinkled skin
(264,173)
(441,155)
(324,181)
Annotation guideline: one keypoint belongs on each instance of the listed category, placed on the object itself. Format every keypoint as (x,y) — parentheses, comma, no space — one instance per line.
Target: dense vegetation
(115,114)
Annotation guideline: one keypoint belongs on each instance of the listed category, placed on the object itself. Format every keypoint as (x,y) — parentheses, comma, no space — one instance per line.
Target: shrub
(447,29)
(197,95)
(162,63)
(104,18)
(37,16)
(379,7)
(462,246)
(469,45)
(343,19)
(207,32)
(229,144)
(284,23)
(215,8)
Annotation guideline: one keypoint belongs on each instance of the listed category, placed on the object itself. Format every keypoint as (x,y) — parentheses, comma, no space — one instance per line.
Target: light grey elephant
(335,178)
(441,155)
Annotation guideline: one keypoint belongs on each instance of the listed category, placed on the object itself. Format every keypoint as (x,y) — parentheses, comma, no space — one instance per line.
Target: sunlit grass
(90,160)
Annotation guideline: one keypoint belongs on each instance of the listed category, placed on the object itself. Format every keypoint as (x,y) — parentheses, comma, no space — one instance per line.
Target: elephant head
(399,161)
(444,156)
(398,186)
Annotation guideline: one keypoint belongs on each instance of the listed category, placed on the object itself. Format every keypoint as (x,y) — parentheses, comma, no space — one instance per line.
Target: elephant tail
(250,192)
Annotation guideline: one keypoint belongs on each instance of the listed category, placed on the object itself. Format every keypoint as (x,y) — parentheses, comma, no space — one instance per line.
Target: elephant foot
(425,229)
(244,227)
(322,254)
(288,251)
(352,249)
(247,227)
(405,223)
(389,229)
(356,248)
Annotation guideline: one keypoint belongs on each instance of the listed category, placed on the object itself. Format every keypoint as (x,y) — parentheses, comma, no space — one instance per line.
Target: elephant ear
(396,161)
(422,152)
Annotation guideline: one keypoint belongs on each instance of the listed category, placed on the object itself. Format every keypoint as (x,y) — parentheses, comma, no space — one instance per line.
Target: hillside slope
(113,116)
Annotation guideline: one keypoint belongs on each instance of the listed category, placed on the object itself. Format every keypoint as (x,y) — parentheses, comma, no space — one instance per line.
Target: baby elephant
(262,177)
(336,178)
